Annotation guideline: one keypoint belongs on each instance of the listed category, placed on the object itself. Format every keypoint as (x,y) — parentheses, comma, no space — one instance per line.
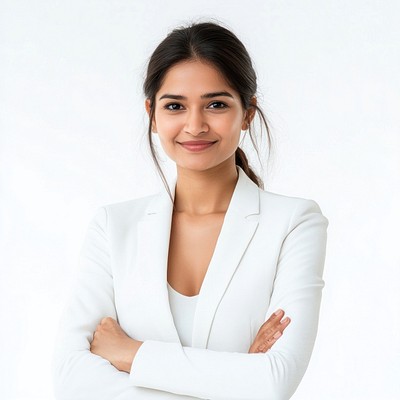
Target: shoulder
(289,208)
(280,206)
(125,212)
(286,203)
(135,206)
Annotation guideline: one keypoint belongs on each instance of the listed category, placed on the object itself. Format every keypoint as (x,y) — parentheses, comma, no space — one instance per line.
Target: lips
(196,145)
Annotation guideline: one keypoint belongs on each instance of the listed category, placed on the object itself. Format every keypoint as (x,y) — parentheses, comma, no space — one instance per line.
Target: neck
(205,192)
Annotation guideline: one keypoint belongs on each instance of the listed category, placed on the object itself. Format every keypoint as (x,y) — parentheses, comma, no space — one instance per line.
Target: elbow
(67,383)
(286,373)
(60,378)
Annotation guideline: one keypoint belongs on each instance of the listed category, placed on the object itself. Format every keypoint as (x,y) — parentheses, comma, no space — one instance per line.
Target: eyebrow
(204,96)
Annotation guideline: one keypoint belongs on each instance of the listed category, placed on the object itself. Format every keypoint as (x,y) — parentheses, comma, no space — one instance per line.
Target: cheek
(168,127)
(230,128)
(167,131)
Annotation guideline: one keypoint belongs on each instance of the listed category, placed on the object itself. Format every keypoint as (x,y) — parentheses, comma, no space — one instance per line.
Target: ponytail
(242,162)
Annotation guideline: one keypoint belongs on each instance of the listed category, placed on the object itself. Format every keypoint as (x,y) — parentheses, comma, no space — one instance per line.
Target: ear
(249,114)
(147,105)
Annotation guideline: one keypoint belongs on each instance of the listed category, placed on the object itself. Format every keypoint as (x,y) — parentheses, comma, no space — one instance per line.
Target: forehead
(194,78)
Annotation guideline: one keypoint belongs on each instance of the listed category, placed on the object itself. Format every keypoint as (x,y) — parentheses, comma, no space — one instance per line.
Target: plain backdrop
(73,139)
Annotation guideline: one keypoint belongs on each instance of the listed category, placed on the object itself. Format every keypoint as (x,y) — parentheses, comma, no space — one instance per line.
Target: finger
(269,338)
(277,315)
(273,319)
(264,347)
(267,331)
(272,339)
(278,325)
(265,336)
(277,329)
(284,323)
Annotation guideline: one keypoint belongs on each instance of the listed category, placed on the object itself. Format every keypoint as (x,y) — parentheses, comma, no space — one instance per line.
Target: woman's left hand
(113,344)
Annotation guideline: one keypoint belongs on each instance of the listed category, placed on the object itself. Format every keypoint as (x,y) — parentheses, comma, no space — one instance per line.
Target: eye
(173,107)
(217,105)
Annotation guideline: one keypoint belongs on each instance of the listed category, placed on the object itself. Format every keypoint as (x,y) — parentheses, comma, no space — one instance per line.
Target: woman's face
(198,117)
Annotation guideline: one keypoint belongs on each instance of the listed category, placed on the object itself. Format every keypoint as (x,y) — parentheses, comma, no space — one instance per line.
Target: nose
(195,123)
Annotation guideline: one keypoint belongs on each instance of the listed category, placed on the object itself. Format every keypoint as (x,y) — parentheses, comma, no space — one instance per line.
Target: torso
(192,244)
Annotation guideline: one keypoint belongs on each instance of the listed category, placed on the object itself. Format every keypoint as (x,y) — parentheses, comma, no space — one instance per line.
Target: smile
(196,145)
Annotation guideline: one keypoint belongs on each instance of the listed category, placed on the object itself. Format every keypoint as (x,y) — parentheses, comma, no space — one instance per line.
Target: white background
(73,139)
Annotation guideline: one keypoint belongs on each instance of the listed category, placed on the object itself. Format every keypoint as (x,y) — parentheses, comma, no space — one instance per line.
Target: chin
(201,167)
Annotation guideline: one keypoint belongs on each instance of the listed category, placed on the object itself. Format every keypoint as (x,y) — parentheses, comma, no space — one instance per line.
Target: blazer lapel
(237,231)
(151,260)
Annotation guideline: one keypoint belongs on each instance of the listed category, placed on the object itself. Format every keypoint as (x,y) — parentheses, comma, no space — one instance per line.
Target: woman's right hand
(270,331)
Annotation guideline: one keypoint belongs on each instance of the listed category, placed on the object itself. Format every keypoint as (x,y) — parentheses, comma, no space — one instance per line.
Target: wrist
(130,354)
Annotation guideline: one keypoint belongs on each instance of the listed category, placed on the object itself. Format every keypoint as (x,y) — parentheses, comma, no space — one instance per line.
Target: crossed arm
(113,344)
(92,365)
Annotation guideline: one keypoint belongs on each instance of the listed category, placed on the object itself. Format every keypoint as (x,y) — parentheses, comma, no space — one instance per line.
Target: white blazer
(270,254)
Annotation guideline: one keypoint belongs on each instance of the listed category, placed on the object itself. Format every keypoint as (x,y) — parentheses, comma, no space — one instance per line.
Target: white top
(182,309)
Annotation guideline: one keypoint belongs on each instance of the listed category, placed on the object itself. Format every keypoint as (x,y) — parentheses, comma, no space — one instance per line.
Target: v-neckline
(182,295)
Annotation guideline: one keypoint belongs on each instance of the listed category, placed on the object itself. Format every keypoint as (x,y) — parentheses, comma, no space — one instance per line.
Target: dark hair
(215,45)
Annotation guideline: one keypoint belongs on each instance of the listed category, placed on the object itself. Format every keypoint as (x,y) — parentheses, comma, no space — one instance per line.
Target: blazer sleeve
(275,375)
(79,374)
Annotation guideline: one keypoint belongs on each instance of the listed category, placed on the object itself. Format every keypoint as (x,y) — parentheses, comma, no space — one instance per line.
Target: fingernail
(277,335)
(286,319)
(278,312)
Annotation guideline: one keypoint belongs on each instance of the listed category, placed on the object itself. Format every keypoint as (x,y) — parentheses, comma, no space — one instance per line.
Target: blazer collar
(154,233)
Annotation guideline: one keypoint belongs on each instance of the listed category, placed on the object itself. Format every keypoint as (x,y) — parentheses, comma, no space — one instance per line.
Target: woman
(181,294)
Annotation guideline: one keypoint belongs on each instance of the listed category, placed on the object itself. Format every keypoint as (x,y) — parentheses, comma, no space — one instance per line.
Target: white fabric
(269,254)
(183,309)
